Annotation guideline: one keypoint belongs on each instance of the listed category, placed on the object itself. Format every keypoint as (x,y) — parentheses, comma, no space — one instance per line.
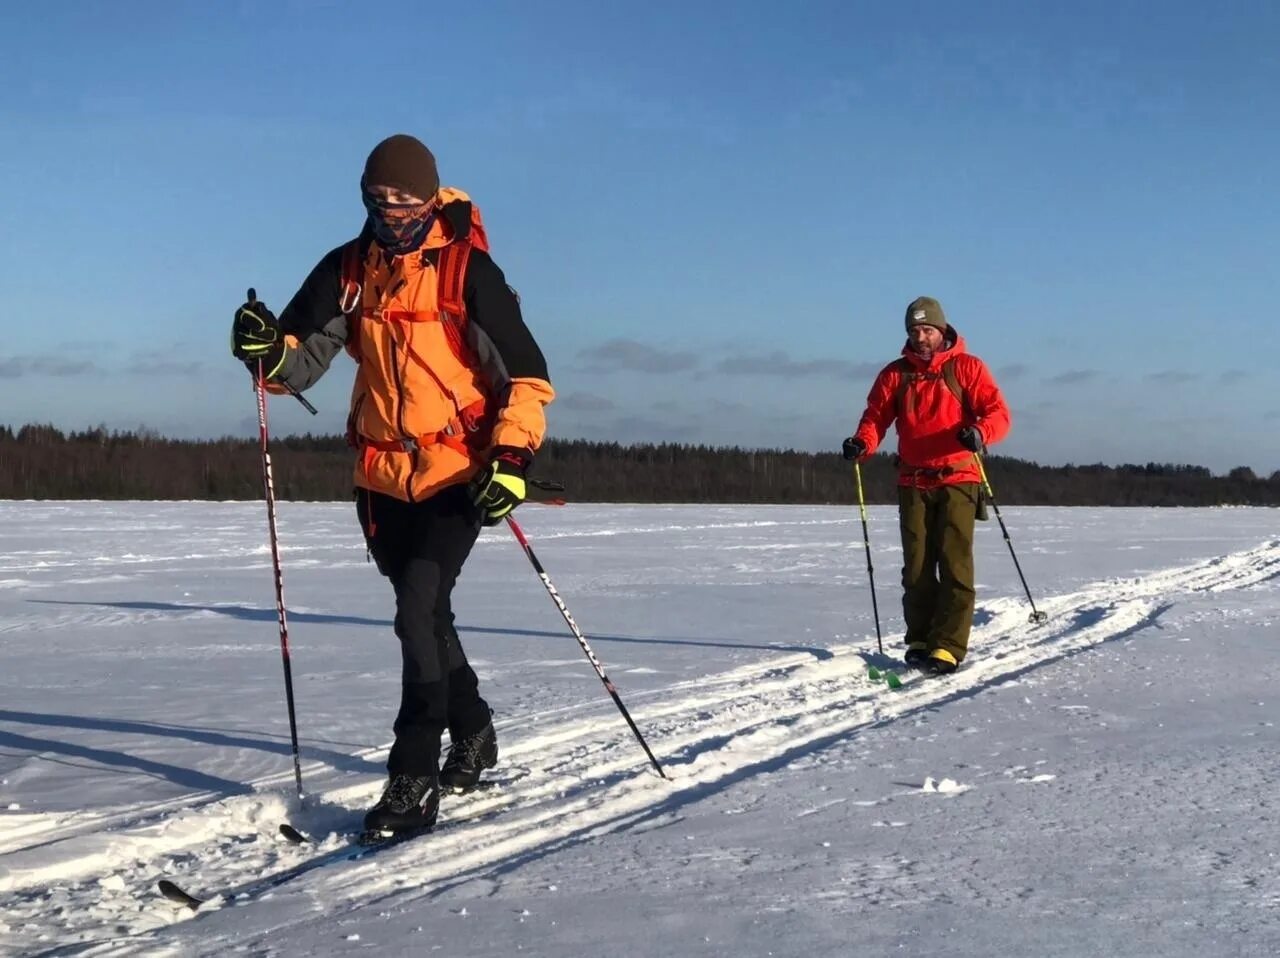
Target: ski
(177,895)
(359,844)
(930,674)
(888,676)
(366,838)
(297,836)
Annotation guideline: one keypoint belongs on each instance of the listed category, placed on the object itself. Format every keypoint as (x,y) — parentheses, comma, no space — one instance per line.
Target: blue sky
(715,214)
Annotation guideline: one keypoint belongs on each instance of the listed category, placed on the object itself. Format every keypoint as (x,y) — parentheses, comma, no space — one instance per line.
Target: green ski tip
(889,678)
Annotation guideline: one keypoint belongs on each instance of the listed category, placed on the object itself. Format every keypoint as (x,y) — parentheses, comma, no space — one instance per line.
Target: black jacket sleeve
(315,324)
(493,306)
(509,358)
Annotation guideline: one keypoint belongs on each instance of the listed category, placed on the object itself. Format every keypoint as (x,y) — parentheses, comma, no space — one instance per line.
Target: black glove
(500,486)
(256,334)
(971,439)
(853,448)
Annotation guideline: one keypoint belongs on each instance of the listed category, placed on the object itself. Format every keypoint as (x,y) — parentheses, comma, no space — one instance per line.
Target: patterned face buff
(399,228)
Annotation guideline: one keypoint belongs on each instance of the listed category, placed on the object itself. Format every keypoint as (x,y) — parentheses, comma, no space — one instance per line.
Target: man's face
(400,220)
(925,340)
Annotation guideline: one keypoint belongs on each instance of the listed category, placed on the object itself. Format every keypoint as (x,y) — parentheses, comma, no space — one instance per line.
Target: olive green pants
(937,565)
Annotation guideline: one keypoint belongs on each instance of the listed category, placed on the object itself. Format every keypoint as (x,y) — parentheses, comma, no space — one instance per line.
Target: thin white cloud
(584,402)
(18,366)
(629,355)
(1074,377)
(778,363)
(1013,372)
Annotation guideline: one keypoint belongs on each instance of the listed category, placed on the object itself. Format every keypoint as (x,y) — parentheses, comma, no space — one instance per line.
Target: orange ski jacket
(447,373)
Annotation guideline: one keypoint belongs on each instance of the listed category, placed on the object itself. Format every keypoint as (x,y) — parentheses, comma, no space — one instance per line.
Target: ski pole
(582,641)
(253,299)
(1037,617)
(268,483)
(866,540)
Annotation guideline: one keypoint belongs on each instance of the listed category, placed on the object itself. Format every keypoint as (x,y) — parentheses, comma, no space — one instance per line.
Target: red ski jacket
(928,413)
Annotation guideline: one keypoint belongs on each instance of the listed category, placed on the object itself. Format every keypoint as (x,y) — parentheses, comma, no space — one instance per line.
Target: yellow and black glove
(500,486)
(256,335)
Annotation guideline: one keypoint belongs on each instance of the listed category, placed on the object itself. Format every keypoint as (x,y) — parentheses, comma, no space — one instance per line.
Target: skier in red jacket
(948,409)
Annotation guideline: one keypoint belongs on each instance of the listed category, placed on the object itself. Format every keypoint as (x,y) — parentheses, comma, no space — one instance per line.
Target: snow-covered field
(1106,784)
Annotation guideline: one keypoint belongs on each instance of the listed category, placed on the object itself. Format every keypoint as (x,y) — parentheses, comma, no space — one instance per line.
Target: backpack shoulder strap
(952,379)
(906,376)
(352,274)
(351,292)
(451,277)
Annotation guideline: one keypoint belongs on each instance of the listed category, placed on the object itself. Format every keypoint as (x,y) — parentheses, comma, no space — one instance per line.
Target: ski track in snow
(73,884)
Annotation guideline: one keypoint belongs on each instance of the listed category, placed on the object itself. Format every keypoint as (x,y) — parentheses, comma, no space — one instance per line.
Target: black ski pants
(421,547)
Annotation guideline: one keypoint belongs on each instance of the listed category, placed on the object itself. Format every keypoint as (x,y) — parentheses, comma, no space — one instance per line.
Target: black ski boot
(917,656)
(469,757)
(410,803)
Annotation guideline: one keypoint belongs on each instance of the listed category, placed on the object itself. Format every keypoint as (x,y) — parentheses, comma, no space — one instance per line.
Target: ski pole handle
(253,299)
(546,492)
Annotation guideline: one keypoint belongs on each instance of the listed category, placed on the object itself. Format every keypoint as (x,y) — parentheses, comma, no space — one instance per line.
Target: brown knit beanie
(926,311)
(403,163)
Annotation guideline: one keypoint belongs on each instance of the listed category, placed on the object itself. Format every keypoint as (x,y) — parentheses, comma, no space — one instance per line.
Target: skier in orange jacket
(446,415)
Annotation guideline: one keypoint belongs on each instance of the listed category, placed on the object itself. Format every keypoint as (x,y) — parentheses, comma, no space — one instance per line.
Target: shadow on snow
(185,777)
(249,614)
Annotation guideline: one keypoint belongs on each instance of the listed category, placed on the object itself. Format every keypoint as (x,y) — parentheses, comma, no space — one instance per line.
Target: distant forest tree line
(42,462)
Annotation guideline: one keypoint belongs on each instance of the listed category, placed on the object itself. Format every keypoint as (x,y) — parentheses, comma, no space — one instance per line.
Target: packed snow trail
(586,777)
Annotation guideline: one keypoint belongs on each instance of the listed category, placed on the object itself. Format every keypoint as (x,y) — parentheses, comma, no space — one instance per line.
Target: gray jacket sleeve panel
(310,359)
(315,320)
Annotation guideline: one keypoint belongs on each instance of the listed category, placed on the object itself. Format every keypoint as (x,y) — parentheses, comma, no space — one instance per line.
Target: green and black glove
(256,335)
(500,486)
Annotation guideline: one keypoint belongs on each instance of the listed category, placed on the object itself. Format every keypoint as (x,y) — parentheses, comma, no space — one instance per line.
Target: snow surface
(1105,784)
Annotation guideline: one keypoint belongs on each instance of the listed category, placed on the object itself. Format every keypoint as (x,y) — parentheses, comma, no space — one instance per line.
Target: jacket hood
(455,220)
